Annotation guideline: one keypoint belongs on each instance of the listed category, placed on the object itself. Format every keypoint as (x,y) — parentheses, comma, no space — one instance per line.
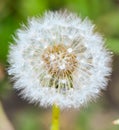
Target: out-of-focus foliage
(7,28)
(33,121)
(113,44)
(109,26)
(90,8)
(95,118)
(32,7)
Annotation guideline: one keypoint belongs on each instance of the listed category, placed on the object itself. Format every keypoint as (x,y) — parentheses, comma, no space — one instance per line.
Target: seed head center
(59,60)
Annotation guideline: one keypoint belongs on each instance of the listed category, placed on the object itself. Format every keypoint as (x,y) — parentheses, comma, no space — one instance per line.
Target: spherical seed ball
(59,59)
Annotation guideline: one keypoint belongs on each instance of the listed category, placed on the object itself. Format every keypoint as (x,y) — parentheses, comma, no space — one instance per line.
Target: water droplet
(69,50)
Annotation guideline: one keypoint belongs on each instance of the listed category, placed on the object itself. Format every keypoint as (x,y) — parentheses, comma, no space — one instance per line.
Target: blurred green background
(21,115)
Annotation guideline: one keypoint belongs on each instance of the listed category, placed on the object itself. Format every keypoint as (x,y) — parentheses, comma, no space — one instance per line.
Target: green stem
(55,117)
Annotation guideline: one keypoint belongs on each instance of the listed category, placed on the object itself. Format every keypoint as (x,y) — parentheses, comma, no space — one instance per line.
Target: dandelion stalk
(55,117)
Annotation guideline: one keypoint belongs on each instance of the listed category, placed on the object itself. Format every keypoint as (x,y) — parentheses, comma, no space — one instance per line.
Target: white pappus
(59,59)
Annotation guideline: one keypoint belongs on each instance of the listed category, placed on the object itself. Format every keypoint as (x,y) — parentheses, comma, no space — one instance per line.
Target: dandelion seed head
(59,59)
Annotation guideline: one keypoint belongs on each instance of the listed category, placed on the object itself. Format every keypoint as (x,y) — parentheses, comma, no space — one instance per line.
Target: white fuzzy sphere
(42,72)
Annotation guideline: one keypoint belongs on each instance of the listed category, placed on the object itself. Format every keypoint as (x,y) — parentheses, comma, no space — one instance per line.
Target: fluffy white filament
(34,80)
